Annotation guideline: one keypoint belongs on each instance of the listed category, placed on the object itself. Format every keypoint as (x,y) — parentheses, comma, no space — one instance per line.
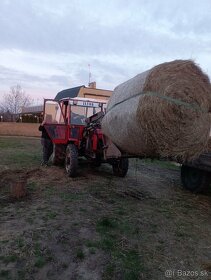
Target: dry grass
(19,129)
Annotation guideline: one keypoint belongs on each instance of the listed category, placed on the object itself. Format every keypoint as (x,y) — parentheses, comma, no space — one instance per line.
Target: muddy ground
(98,226)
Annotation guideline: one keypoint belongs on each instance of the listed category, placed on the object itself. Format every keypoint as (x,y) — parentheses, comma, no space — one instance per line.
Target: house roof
(70,92)
(32,109)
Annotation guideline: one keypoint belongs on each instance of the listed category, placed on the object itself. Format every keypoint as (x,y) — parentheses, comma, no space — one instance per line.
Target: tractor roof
(70,92)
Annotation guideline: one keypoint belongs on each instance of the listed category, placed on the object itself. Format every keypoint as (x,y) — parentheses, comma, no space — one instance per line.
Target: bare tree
(15,100)
(1,109)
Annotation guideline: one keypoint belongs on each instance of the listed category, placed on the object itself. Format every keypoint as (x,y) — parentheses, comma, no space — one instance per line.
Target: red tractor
(74,126)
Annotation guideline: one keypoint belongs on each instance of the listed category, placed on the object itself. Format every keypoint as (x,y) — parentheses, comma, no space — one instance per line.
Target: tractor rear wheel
(120,167)
(193,179)
(58,154)
(71,160)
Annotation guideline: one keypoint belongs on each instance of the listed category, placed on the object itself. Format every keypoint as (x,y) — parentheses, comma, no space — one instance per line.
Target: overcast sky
(46,45)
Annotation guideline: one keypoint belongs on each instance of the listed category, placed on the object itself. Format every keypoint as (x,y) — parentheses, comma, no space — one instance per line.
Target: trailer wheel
(120,167)
(193,179)
(71,160)
(58,154)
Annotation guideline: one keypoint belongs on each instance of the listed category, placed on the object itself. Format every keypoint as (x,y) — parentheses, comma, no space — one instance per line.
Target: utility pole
(89,73)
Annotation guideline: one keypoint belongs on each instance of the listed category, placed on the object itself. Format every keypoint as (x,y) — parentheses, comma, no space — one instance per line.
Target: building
(83,91)
(34,114)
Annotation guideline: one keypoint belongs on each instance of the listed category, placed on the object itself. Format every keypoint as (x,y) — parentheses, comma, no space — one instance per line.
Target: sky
(47,45)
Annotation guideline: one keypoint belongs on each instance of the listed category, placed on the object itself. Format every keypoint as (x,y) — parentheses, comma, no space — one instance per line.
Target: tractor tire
(71,160)
(120,167)
(58,154)
(194,180)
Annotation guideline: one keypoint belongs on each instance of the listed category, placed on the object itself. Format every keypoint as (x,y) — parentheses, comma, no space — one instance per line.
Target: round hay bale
(162,112)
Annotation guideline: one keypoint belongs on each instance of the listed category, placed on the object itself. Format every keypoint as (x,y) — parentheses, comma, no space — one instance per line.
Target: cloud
(93,28)
(47,45)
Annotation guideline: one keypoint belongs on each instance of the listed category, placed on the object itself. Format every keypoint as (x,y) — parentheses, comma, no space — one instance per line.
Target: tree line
(13,101)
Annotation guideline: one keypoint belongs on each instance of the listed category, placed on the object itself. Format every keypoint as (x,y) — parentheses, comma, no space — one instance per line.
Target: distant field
(19,129)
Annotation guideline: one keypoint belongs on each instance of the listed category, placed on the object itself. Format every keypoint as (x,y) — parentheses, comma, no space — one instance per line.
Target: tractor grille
(74,132)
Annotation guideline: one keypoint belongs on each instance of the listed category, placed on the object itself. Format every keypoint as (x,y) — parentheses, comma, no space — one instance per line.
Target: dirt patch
(97,226)
(13,184)
(12,175)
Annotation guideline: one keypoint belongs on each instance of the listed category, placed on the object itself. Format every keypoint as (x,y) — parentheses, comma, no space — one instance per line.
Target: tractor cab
(65,119)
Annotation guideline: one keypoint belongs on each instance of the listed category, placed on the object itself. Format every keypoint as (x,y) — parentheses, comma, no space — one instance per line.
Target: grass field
(19,152)
(98,226)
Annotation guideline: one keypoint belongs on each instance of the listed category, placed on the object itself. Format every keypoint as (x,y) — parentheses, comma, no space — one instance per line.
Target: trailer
(195,175)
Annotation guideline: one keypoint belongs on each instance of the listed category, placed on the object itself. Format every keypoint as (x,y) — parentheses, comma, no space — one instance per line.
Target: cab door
(55,121)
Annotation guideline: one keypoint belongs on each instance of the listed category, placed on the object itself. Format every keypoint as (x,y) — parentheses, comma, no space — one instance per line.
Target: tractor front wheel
(120,167)
(71,160)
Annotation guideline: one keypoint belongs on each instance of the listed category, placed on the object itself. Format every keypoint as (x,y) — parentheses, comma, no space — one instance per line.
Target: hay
(162,112)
